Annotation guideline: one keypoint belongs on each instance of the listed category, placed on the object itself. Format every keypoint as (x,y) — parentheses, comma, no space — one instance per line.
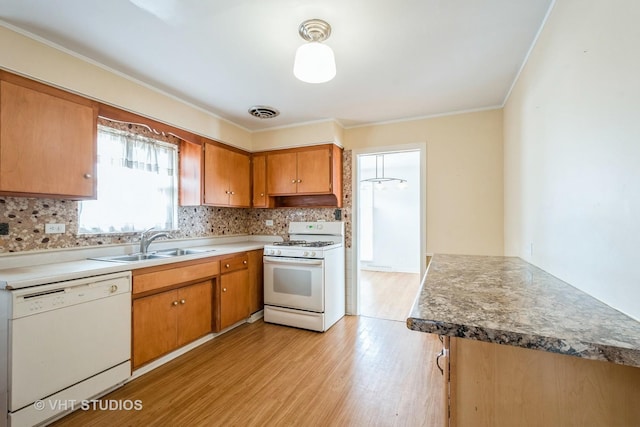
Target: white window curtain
(137,185)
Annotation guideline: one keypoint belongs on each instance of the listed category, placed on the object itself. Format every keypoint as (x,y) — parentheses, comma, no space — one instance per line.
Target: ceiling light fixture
(381,179)
(314,62)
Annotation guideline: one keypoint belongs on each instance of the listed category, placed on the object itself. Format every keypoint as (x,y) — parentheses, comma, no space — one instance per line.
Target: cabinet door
(259,174)
(216,171)
(47,144)
(238,170)
(256,284)
(234,297)
(282,174)
(314,171)
(190,185)
(154,326)
(194,320)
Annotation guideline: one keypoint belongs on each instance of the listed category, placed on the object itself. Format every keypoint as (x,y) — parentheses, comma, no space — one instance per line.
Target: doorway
(389,231)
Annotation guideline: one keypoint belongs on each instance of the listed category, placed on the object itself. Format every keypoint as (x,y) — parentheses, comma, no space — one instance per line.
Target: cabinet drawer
(168,276)
(236,262)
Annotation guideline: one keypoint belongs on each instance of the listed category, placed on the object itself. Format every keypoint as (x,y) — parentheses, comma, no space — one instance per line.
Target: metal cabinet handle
(299,181)
(244,262)
(438,361)
(261,194)
(293,181)
(224,289)
(182,301)
(227,266)
(232,193)
(174,303)
(88,176)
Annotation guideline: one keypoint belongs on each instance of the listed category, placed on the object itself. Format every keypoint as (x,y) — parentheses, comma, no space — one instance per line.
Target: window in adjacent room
(137,185)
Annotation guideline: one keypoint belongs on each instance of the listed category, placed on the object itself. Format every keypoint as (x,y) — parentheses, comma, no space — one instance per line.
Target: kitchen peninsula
(525,348)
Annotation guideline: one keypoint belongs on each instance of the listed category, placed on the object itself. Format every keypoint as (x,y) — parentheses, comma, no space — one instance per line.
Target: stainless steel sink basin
(164,254)
(182,251)
(131,258)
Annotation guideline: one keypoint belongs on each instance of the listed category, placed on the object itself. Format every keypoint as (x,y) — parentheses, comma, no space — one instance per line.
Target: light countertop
(506,300)
(56,266)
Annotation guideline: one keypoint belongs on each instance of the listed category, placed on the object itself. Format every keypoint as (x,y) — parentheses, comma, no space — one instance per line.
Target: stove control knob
(278,252)
(305,253)
(313,254)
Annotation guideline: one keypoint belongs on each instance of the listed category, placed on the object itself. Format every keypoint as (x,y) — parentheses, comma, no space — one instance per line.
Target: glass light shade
(314,63)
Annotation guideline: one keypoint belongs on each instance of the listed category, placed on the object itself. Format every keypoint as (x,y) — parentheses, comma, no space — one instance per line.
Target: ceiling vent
(263,112)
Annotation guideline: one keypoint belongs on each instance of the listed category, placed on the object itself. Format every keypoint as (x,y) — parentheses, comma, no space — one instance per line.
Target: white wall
(572,151)
(35,59)
(464,184)
(396,213)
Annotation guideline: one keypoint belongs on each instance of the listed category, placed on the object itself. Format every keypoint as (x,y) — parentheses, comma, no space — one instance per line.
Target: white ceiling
(395,59)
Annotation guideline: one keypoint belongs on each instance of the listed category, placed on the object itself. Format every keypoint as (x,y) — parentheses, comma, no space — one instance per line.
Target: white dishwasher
(66,342)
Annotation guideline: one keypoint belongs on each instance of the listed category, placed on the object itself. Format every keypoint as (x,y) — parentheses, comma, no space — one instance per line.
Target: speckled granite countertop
(506,300)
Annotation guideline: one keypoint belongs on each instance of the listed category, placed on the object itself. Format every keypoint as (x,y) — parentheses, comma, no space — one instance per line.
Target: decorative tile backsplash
(27,217)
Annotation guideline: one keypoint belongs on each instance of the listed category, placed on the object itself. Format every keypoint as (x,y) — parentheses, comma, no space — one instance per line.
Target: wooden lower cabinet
(234,298)
(232,293)
(168,320)
(501,385)
(194,319)
(217,293)
(256,278)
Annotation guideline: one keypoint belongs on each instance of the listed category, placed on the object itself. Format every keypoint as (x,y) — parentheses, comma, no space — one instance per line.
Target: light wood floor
(362,372)
(387,295)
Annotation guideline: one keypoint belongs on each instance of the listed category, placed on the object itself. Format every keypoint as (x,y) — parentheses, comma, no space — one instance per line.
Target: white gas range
(304,278)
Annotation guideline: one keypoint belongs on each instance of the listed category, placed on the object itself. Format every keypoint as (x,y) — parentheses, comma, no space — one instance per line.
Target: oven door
(294,283)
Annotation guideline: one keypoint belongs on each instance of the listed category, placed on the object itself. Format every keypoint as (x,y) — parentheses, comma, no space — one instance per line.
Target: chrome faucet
(146,241)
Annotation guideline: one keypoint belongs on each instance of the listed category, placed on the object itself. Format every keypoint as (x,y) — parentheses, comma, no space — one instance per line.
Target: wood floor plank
(387,295)
(363,371)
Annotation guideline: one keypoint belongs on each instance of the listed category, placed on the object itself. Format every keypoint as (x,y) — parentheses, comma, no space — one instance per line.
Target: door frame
(421,147)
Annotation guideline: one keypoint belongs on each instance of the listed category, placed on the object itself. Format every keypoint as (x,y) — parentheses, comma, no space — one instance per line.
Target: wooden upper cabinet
(226,177)
(307,171)
(190,185)
(299,172)
(47,141)
(282,173)
(314,171)
(259,180)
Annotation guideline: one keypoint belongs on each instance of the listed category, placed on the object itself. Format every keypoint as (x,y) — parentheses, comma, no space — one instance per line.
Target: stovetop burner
(303,243)
(290,243)
(318,244)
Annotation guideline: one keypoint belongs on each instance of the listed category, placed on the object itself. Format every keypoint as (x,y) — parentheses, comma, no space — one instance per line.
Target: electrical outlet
(54,228)
(269,222)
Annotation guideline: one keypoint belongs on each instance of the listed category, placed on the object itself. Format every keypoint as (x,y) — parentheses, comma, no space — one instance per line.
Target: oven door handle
(291,261)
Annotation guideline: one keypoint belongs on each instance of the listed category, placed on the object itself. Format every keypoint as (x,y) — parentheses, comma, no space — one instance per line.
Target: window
(137,185)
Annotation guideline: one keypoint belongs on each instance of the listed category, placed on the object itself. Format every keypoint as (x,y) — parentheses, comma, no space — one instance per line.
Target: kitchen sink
(179,251)
(164,254)
(132,257)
